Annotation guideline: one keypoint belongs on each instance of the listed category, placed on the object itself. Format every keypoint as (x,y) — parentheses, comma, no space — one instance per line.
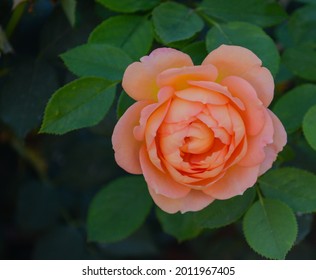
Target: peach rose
(198,133)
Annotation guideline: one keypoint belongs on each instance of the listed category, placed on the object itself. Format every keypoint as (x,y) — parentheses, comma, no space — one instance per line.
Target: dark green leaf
(270,228)
(309,127)
(118,210)
(69,7)
(197,51)
(305,225)
(98,60)
(129,6)
(293,186)
(248,36)
(132,33)
(301,98)
(25,94)
(301,61)
(79,104)
(124,102)
(175,22)
(261,12)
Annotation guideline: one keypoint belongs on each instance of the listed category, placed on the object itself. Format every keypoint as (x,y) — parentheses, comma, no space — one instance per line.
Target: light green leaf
(118,210)
(295,187)
(309,127)
(270,228)
(69,7)
(261,12)
(131,33)
(175,22)
(301,98)
(129,6)
(248,36)
(301,61)
(124,102)
(98,60)
(81,103)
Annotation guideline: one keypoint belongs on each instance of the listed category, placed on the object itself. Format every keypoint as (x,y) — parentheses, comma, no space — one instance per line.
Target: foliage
(52,191)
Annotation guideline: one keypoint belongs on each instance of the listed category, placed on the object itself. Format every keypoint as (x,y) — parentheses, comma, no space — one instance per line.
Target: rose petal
(139,80)
(193,201)
(125,146)
(236,180)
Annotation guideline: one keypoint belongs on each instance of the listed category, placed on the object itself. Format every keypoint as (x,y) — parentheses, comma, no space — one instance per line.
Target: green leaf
(301,61)
(118,210)
(124,102)
(69,7)
(309,127)
(248,36)
(197,51)
(301,98)
(302,24)
(175,22)
(293,186)
(25,93)
(129,6)
(261,12)
(131,33)
(270,228)
(98,60)
(218,214)
(81,103)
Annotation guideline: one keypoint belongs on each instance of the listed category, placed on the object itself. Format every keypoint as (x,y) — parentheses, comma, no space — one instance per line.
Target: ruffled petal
(139,80)
(125,146)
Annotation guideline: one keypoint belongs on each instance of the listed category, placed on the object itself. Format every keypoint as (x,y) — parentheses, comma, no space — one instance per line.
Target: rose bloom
(198,133)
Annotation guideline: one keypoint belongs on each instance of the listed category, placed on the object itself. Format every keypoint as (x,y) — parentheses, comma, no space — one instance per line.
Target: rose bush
(198,133)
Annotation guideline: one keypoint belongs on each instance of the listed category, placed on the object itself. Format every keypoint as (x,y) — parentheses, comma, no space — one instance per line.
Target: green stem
(15,19)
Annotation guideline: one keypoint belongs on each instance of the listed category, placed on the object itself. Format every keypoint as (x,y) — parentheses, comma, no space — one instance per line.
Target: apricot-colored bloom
(198,133)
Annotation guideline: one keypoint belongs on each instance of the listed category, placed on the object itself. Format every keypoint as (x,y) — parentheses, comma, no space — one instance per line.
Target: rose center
(199,139)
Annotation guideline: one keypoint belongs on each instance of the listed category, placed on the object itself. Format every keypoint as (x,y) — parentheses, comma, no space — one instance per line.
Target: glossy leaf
(131,33)
(245,35)
(301,98)
(118,209)
(261,12)
(270,228)
(129,6)
(99,60)
(79,104)
(309,126)
(124,102)
(197,51)
(175,22)
(69,7)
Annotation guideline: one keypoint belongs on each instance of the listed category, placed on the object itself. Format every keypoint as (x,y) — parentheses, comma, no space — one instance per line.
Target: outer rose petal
(159,182)
(194,201)
(139,80)
(241,62)
(125,146)
(236,180)
(272,150)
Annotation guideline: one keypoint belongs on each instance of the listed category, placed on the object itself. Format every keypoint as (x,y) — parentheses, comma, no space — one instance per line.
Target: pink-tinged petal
(182,110)
(139,80)
(160,182)
(253,115)
(194,201)
(222,116)
(237,124)
(125,146)
(232,60)
(236,181)
(178,77)
(204,96)
(272,150)
(262,81)
(207,120)
(255,151)
(215,87)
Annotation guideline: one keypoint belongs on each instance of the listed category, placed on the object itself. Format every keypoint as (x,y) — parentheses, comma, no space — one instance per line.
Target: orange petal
(139,80)
(178,77)
(125,146)
(160,182)
(236,180)
(193,201)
